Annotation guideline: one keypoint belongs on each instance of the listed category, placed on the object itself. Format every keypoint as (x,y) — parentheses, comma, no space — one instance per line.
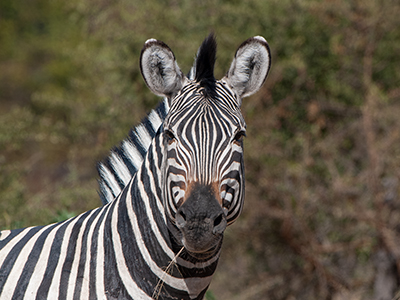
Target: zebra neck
(142,238)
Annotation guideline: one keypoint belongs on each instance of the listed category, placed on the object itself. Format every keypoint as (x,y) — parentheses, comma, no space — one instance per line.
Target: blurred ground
(321,219)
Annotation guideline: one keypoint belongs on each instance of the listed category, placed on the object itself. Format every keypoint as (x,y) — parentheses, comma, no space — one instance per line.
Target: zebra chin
(201,251)
(201,221)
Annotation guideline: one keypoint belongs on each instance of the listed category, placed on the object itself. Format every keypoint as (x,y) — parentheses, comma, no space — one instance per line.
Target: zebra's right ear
(160,70)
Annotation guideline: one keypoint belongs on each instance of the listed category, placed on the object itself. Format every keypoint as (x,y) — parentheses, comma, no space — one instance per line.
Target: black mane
(205,62)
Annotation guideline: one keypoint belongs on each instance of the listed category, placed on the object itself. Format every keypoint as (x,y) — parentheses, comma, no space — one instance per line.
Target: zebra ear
(250,67)
(160,70)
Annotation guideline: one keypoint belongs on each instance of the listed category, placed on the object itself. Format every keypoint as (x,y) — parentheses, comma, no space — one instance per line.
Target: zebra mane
(124,161)
(204,65)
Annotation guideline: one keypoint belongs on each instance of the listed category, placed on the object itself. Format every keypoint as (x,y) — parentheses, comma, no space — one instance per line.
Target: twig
(160,283)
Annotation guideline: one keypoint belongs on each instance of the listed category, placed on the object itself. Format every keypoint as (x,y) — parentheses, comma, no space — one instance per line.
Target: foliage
(322,155)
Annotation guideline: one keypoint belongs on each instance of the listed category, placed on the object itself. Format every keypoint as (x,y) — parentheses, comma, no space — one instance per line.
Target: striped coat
(178,181)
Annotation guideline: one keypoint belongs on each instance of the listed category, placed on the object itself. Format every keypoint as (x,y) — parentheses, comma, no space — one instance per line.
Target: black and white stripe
(169,191)
(125,160)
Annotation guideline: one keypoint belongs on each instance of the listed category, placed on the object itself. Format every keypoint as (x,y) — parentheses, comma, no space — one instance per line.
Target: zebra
(169,192)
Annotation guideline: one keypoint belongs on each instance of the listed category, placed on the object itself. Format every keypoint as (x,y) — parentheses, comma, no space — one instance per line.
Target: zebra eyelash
(169,136)
(238,137)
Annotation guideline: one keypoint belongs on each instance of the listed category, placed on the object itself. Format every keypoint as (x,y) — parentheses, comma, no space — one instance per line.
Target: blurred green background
(322,153)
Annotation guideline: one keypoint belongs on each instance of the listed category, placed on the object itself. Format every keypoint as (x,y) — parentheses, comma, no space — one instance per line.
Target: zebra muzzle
(201,220)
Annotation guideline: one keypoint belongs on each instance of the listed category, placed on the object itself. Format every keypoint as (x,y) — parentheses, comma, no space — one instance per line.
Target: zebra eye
(239,136)
(169,136)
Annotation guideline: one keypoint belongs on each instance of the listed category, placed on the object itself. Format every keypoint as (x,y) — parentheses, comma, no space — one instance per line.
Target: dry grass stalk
(160,284)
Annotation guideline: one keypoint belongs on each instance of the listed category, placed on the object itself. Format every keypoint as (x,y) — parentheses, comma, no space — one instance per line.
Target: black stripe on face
(207,147)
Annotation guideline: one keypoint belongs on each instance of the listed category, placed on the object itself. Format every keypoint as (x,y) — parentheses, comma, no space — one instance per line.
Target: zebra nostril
(219,224)
(180,219)
(218,220)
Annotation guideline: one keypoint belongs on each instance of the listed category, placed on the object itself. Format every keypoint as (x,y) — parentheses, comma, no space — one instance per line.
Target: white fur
(106,191)
(160,70)
(120,168)
(4,234)
(143,136)
(107,176)
(132,153)
(155,120)
(260,38)
(250,67)
(150,41)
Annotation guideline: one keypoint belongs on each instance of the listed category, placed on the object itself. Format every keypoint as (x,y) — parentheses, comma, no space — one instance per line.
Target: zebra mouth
(203,253)
(200,246)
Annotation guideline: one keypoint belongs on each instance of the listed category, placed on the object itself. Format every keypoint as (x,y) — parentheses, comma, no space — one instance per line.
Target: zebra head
(202,160)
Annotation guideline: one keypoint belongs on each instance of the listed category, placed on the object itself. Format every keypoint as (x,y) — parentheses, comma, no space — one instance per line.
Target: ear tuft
(250,67)
(261,39)
(151,41)
(159,69)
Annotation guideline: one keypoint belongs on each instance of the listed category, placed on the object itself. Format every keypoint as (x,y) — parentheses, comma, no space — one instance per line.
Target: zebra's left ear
(250,67)
(160,70)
